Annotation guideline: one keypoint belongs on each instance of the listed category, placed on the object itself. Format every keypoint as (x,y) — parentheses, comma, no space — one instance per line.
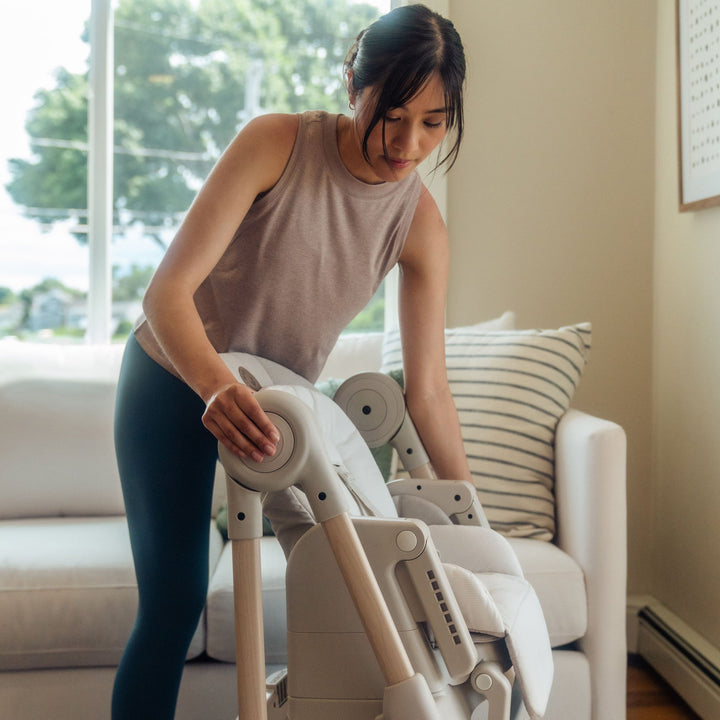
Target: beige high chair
(388,618)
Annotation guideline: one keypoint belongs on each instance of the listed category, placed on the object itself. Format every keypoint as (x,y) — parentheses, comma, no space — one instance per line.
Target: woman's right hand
(236,419)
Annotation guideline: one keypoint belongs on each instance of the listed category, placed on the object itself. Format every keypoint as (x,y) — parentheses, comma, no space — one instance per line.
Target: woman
(288,239)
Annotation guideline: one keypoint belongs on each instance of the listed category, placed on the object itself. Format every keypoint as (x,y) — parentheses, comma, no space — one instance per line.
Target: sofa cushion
(392,343)
(220,613)
(25,360)
(46,425)
(353,353)
(559,584)
(67,592)
(510,389)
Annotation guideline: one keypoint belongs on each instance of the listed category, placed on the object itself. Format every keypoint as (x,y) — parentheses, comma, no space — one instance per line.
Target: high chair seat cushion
(476,602)
(497,604)
(526,638)
(289,511)
(497,601)
(556,578)
(476,549)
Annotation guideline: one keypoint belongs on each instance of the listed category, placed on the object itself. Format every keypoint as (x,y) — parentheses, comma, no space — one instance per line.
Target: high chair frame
(410,577)
(300,460)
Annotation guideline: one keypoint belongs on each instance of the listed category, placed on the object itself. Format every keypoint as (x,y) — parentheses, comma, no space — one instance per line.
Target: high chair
(388,619)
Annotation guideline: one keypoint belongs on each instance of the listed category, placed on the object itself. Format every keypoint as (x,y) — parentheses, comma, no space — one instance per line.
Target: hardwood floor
(649,697)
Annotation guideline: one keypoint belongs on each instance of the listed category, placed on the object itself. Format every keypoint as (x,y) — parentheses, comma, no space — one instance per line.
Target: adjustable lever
(456,498)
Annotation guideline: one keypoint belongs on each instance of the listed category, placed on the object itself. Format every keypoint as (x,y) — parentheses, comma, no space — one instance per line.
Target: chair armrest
(441,610)
(412,579)
(457,499)
(590,476)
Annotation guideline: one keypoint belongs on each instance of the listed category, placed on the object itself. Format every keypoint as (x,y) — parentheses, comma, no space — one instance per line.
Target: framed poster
(698,73)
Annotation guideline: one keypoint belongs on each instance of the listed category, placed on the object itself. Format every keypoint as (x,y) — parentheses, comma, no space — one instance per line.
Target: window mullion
(100,171)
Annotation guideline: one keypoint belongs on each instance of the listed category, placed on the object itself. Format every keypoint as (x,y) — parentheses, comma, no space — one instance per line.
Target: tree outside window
(188,75)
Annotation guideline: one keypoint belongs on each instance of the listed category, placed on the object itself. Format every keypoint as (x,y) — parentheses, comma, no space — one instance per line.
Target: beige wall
(550,208)
(686,379)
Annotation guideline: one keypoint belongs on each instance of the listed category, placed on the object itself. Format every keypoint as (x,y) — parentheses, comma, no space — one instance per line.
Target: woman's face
(412,132)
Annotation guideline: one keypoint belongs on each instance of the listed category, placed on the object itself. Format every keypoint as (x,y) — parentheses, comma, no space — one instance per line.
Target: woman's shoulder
(273,130)
(260,151)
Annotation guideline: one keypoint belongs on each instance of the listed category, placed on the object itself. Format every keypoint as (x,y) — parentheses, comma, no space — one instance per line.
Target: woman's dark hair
(397,54)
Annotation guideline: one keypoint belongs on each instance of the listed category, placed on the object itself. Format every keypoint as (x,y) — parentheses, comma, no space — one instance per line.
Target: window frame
(101,122)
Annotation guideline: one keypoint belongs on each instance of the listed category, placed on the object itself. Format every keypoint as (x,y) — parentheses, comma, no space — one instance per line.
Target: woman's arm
(251,165)
(423,287)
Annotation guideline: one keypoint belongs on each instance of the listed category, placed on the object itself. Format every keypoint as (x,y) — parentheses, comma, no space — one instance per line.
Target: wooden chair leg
(249,639)
(365,592)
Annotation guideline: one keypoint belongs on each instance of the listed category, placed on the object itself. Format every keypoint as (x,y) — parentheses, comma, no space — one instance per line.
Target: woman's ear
(352,94)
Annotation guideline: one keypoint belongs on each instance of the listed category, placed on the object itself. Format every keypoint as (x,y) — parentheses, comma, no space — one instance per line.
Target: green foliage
(186,80)
(372,317)
(56,178)
(131,285)
(123,330)
(7,296)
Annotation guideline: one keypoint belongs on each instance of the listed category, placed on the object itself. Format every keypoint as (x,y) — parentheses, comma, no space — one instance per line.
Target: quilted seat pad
(556,578)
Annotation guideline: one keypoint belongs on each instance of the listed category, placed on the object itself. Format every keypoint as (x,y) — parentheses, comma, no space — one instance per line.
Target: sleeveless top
(307,257)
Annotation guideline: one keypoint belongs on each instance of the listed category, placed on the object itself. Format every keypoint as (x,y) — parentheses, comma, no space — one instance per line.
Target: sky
(36,36)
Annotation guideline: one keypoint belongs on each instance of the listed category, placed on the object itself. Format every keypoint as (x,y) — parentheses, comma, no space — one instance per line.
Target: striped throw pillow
(392,345)
(510,389)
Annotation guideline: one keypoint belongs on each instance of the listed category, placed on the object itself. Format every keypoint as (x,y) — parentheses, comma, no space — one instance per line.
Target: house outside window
(76,254)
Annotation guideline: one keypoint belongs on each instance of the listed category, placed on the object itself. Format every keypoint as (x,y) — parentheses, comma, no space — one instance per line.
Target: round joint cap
(406,540)
(483,682)
(283,449)
(376,405)
(264,476)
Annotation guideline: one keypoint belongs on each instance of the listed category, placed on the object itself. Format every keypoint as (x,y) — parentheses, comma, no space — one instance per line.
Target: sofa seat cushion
(220,613)
(559,583)
(68,595)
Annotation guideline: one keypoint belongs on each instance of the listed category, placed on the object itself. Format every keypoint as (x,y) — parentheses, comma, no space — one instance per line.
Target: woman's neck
(349,146)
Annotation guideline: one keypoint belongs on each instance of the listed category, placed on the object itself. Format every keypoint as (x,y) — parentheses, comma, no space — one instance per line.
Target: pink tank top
(307,257)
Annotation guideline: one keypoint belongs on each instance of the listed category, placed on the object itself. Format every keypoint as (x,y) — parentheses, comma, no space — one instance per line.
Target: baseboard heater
(687,661)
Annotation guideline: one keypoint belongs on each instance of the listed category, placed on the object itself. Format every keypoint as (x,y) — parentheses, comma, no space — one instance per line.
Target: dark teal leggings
(166,460)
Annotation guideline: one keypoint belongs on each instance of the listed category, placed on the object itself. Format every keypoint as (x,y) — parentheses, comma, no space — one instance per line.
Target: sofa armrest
(590,472)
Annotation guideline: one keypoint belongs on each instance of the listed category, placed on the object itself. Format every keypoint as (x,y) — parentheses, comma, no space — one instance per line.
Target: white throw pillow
(510,389)
(353,353)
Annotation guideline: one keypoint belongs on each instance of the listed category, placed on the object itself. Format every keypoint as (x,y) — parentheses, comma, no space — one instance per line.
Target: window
(43,240)
(76,255)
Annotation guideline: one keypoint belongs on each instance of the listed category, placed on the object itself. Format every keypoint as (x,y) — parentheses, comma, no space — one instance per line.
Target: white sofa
(67,588)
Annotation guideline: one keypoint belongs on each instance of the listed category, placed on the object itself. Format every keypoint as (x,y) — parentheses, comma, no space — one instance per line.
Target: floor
(649,697)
